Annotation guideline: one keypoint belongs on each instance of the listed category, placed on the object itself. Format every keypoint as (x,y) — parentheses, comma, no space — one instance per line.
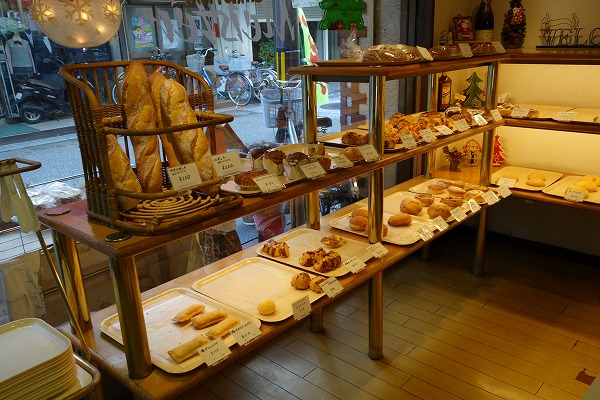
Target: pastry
(201,321)
(314,284)
(310,258)
(273,161)
(355,138)
(187,349)
(256,157)
(329,261)
(266,307)
(536,175)
(122,173)
(316,150)
(474,194)
(411,206)
(392,52)
(452,201)
(358,223)
(593,178)
(361,212)
(333,241)
(292,164)
(245,179)
(536,182)
(439,209)
(276,249)
(300,281)
(352,153)
(587,185)
(425,198)
(456,191)
(401,219)
(187,313)
(436,187)
(222,328)
(323,160)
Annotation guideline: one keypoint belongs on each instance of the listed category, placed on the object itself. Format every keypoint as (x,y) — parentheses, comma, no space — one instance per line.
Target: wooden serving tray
(523,172)
(559,189)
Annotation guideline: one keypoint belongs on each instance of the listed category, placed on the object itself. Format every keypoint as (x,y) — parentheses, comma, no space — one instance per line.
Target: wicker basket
(96,115)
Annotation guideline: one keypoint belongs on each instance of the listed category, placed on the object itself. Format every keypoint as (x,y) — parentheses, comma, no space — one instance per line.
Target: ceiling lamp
(77,23)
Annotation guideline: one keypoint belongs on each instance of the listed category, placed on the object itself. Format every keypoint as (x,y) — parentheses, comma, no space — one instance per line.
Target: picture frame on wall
(463,27)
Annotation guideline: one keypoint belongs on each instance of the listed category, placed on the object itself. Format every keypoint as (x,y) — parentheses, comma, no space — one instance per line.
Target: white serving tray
(559,189)
(523,173)
(423,187)
(164,334)
(244,284)
(302,240)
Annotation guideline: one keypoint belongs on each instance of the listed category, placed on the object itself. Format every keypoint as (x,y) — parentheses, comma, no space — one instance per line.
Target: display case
(130,364)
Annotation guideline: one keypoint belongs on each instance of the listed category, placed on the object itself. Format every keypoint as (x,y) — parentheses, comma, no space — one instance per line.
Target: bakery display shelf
(580,56)
(573,126)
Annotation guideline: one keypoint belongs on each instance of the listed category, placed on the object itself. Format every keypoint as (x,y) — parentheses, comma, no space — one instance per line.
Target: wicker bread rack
(96,114)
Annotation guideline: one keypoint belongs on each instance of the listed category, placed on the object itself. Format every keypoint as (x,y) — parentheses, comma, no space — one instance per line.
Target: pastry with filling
(301,281)
(276,249)
(333,241)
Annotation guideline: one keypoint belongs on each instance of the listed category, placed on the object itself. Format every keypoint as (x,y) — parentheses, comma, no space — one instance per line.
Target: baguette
(156,81)
(140,115)
(222,328)
(201,321)
(187,313)
(123,176)
(187,349)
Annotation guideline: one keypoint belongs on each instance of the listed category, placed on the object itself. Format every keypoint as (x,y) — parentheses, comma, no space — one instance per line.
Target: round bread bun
(361,212)
(436,187)
(384,229)
(439,209)
(452,201)
(411,206)
(401,219)
(474,194)
(593,178)
(244,179)
(536,182)
(425,198)
(586,194)
(587,185)
(266,307)
(456,191)
(536,175)
(358,223)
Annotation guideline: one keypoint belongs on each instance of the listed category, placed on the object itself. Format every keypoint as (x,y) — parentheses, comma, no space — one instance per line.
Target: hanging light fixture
(77,23)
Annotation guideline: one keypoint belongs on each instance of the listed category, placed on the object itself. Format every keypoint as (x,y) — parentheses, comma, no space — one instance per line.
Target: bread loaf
(156,81)
(122,174)
(140,115)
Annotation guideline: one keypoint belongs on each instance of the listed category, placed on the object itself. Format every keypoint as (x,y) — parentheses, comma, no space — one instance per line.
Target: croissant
(301,281)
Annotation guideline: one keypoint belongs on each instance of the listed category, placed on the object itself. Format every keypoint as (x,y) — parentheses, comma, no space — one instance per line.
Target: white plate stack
(37,361)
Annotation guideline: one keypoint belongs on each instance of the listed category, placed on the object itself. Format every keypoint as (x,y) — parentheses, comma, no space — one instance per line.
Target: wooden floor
(528,329)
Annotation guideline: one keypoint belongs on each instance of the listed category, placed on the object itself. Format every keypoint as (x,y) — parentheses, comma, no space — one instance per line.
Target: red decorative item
(498,156)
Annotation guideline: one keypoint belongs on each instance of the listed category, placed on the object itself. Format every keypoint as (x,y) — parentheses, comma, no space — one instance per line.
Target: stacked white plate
(37,361)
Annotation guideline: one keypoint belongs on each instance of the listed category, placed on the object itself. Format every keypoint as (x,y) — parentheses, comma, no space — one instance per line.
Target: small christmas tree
(475,95)
(514,27)
(498,156)
(342,14)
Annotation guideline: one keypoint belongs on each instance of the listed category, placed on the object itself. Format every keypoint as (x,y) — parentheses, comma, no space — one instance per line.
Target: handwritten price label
(504,191)
(575,195)
(227,163)
(458,214)
(268,183)
(184,177)
(214,352)
(465,49)
(440,223)
(342,161)
(354,264)
(368,152)
(425,233)
(331,287)
(425,53)
(427,135)
(507,182)
(312,170)
(473,206)
(480,120)
(245,333)
(378,250)
(519,112)
(408,141)
(499,48)
(301,307)
(496,116)
(565,116)
(444,130)
(490,197)
(462,125)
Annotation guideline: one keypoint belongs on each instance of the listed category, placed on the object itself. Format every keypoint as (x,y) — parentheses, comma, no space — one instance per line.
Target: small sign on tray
(368,152)
(342,161)
(331,286)
(465,49)
(184,177)
(408,141)
(496,116)
(440,223)
(214,352)
(462,125)
(227,163)
(427,135)
(458,214)
(574,195)
(504,191)
(519,112)
(506,182)
(425,53)
(378,250)
(444,130)
(268,183)
(301,307)
(354,264)
(565,116)
(490,197)
(245,333)
(312,170)
(425,233)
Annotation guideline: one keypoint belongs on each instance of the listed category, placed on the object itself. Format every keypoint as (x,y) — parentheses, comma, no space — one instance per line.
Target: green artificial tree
(475,95)
(342,14)
(514,27)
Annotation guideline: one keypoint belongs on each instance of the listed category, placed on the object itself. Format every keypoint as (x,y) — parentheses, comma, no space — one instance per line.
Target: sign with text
(184,177)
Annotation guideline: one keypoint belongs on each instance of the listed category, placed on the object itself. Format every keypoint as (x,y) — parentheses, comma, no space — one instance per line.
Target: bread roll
(266,307)
(456,191)
(452,201)
(361,212)
(401,219)
(536,182)
(140,115)
(587,185)
(122,174)
(352,153)
(439,209)
(436,187)
(411,206)
(536,175)
(358,223)
(425,198)
(156,81)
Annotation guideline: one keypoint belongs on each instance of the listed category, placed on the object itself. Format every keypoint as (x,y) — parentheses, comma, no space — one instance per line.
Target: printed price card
(504,191)
(499,48)
(575,195)
(480,120)
(354,264)
(368,152)
(502,97)
(519,112)
(490,197)
(507,182)
(312,170)
(268,183)
(245,332)
(496,115)
(444,130)
(184,177)
(227,163)
(459,97)
(462,125)
(473,205)
(440,223)
(425,53)
(301,307)
(427,135)
(465,49)
(458,214)
(342,161)
(378,250)
(331,286)
(408,141)
(565,116)
(425,233)
(214,352)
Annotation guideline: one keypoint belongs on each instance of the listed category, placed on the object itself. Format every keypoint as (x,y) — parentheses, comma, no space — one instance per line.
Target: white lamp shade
(77,23)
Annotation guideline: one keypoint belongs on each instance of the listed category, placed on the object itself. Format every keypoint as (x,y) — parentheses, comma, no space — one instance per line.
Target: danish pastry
(276,249)
(333,241)
(301,281)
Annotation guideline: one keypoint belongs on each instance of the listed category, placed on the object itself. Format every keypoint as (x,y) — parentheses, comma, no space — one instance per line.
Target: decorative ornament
(454,157)
(514,27)
(498,155)
(77,23)
(342,14)
(475,95)
(472,150)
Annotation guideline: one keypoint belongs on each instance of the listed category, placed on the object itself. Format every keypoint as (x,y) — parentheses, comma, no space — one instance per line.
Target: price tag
(440,223)
(490,197)
(331,286)
(459,97)
(425,233)
(268,183)
(368,152)
(502,97)
(499,48)
(354,264)
(214,352)
(377,250)
(507,182)
(480,119)
(465,49)
(184,177)
(342,161)
(227,163)
(504,191)
(574,195)
(444,130)
(245,333)
(473,206)
(496,115)
(427,135)
(459,214)
(425,53)
(408,141)
(312,170)
(519,112)
(301,307)
(565,116)
(462,125)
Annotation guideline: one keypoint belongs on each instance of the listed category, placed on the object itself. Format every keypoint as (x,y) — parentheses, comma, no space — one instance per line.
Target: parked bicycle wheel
(239,89)
(258,76)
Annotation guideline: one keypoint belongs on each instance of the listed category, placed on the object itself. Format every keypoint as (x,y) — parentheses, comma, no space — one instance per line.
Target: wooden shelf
(580,56)
(554,125)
